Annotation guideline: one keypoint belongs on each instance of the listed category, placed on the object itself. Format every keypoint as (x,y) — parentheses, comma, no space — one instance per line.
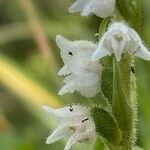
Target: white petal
(82,83)
(73,140)
(87,10)
(50,111)
(99,7)
(62,43)
(80,57)
(103,8)
(84,80)
(64,71)
(58,134)
(88,87)
(80,67)
(90,91)
(119,27)
(118,47)
(65,44)
(66,112)
(68,87)
(69,78)
(134,35)
(80,136)
(141,51)
(78,5)
(101,50)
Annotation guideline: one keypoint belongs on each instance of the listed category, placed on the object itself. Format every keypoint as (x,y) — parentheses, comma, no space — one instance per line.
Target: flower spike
(120,39)
(101,8)
(75,122)
(78,68)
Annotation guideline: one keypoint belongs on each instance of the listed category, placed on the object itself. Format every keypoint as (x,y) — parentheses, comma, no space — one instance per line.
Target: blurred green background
(29,62)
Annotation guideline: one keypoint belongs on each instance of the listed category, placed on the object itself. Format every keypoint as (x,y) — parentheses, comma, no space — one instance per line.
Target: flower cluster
(74,122)
(82,69)
(78,68)
(81,57)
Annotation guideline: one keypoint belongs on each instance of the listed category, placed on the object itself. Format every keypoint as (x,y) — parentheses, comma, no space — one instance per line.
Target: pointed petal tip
(59,74)
(58,37)
(61,41)
(49,140)
(60,93)
(94,58)
(47,109)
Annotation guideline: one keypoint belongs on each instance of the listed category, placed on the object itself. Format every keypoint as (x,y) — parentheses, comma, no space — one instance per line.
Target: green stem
(122,103)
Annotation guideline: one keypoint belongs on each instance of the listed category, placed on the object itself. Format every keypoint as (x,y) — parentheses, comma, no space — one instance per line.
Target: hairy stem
(124,103)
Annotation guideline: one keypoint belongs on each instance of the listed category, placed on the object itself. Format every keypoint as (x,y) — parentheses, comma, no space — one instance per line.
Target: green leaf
(124,99)
(106,125)
(131,11)
(99,144)
(107,78)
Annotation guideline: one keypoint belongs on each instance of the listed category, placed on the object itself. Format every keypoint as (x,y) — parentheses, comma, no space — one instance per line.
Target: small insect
(133,70)
(71,109)
(70,53)
(85,120)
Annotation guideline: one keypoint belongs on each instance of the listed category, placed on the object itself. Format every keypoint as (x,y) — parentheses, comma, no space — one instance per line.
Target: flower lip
(120,39)
(79,128)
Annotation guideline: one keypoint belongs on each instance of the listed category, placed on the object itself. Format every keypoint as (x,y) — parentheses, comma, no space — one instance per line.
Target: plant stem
(123,105)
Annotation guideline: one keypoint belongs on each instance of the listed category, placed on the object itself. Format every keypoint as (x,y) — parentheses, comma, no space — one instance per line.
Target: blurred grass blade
(37,29)
(131,11)
(4,123)
(20,31)
(31,94)
(15,80)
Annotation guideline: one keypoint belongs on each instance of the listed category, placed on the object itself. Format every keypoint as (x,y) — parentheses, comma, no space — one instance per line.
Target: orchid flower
(101,8)
(75,122)
(81,74)
(120,39)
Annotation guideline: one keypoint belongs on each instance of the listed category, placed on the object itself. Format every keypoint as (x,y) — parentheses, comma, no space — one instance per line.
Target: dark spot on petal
(70,53)
(71,109)
(85,120)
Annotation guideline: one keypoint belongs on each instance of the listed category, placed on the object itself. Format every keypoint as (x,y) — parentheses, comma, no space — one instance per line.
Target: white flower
(81,74)
(120,39)
(75,122)
(101,8)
